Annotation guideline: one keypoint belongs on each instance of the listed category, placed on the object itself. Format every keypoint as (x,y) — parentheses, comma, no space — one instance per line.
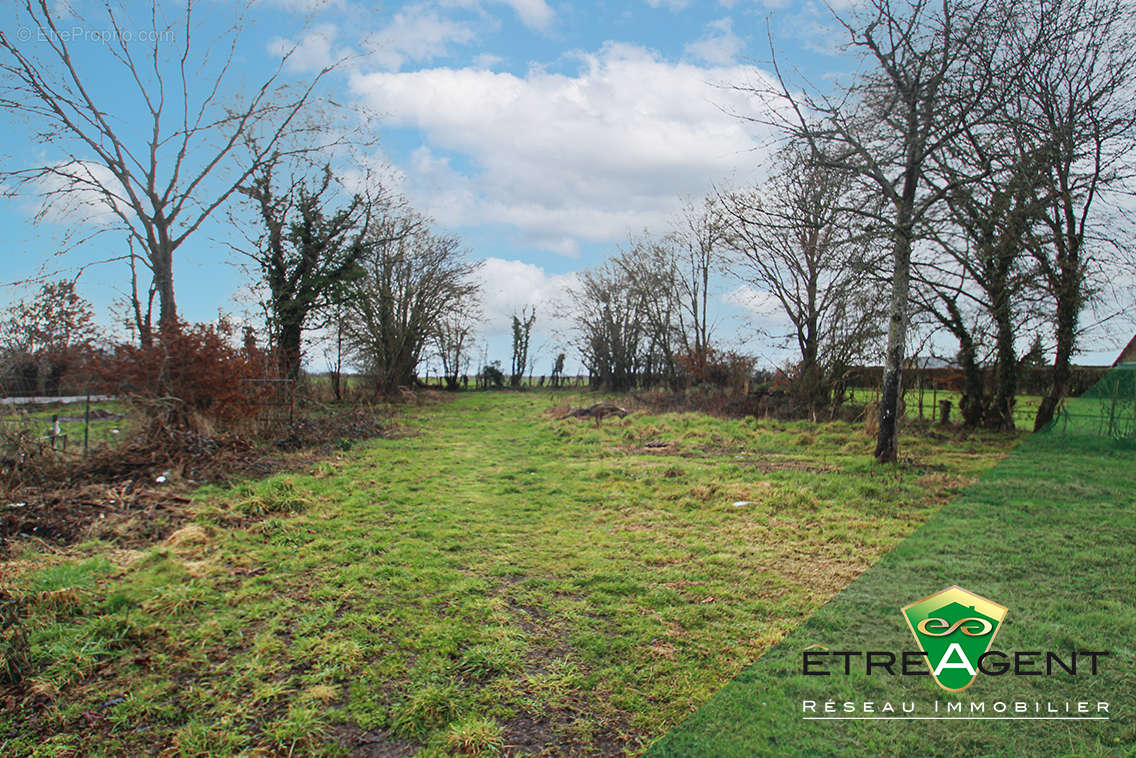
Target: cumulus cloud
(673,5)
(486,60)
(80,192)
(507,286)
(535,14)
(719,45)
(314,51)
(417,34)
(565,158)
(756,303)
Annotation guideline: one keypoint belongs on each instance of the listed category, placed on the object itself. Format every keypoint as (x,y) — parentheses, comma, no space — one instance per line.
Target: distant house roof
(1128,354)
(933,361)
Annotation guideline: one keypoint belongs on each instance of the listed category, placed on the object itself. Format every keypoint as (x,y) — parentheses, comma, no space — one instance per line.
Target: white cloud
(535,14)
(417,34)
(757,303)
(303,6)
(314,51)
(571,158)
(486,60)
(507,286)
(673,5)
(80,193)
(719,45)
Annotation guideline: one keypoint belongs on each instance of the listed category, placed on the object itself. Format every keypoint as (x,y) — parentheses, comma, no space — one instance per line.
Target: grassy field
(1048,533)
(494,581)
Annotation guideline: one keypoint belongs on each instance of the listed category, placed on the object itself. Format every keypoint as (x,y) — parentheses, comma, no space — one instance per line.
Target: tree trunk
(887,442)
(973,402)
(163,267)
(1068,295)
(1062,364)
(810,379)
(1001,413)
(289,341)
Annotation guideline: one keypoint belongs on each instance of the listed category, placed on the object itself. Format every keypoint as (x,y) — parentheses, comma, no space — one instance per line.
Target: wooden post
(86,419)
(921,383)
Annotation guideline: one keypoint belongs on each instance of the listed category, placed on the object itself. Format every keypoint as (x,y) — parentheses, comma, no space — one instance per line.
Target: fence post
(86,419)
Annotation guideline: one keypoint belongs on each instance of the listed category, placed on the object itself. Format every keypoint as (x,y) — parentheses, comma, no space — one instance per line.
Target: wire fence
(274,400)
(1107,409)
(69,424)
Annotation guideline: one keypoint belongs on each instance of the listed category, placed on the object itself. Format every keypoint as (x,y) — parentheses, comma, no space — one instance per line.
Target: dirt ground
(137,493)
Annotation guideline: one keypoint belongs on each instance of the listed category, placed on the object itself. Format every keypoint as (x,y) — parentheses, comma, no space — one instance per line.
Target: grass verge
(1048,533)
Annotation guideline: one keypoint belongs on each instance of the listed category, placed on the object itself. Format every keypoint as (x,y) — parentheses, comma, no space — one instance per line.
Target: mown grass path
(1049,533)
(495,580)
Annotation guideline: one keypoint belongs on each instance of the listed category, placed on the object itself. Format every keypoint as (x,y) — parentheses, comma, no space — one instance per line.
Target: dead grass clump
(872,419)
(705,492)
(191,536)
(558,410)
(25,459)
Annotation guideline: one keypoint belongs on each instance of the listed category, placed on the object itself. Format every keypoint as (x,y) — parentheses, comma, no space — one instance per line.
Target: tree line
(962,182)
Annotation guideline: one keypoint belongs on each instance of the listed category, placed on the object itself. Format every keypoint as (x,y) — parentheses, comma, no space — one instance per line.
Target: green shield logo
(954,628)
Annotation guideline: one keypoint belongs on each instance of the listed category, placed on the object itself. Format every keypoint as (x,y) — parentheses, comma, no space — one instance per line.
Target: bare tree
(46,337)
(412,280)
(452,337)
(795,239)
(946,294)
(608,313)
(994,204)
(929,67)
(333,351)
(522,331)
(653,271)
(157,150)
(698,239)
(1078,95)
(557,370)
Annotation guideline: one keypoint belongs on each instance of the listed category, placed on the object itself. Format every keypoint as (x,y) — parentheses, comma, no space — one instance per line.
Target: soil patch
(137,493)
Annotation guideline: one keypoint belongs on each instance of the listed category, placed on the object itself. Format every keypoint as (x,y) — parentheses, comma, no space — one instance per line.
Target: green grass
(497,579)
(37,420)
(1048,533)
(1025,407)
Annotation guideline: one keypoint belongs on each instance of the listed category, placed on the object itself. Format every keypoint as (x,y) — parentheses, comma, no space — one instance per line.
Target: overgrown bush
(191,376)
(492,376)
(725,370)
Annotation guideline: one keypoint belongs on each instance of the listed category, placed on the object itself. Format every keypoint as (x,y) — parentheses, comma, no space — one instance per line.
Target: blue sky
(542,133)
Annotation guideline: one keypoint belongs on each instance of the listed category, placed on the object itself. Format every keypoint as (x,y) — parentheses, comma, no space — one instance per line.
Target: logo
(954,629)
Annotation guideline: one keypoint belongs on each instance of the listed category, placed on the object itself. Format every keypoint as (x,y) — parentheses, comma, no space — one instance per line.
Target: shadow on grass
(1049,533)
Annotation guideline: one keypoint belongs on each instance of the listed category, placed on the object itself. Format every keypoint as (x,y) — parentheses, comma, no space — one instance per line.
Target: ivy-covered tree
(306,252)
